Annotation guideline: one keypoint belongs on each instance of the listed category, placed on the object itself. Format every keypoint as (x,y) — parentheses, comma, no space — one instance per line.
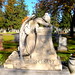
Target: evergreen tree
(20,13)
(9,14)
(44,6)
(66,20)
(1,3)
(41,8)
(2,19)
(15,12)
(53,6)
(1,14)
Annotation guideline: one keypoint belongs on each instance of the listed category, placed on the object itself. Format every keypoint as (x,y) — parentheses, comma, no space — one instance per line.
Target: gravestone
(37,50)
(42,58)
(16,37)
(62,43)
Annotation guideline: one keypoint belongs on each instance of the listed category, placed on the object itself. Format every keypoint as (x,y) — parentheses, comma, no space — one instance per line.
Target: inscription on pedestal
(45,61)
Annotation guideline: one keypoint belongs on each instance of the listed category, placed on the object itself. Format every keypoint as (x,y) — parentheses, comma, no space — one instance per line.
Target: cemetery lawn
(9,46)
(8,42)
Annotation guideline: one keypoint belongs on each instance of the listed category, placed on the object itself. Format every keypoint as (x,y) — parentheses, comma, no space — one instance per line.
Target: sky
(31,4)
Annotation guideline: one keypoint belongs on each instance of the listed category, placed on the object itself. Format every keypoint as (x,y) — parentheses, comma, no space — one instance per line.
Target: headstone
(62,43)
(16,37)
(43,57)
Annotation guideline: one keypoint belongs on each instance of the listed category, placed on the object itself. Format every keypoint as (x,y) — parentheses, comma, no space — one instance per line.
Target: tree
(72,25)
(1,3)
(1,14)
(40,8)
(20,12)
(1,19)
(66,20)
(9,14)
(53,6)
(14,13)
(68,6)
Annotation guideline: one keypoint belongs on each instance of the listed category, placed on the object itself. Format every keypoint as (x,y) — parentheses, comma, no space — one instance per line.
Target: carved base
(62,48)
(13,61)
(4,71)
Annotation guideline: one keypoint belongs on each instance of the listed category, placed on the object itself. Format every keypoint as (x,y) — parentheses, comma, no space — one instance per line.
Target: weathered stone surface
(35,46)
(4,71)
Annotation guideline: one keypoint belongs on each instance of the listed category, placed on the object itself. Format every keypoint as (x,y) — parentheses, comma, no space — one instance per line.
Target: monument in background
(62,43)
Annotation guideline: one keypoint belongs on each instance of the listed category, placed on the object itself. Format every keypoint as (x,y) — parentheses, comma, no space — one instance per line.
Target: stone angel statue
(28,33)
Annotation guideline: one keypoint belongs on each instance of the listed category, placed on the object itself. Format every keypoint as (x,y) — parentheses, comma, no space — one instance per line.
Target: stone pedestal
(4,71)
(43,57)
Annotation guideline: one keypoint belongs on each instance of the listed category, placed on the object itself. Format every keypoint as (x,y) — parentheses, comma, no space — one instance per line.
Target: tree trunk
(72,25)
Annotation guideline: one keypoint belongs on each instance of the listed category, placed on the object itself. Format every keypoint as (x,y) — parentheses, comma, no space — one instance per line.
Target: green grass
(8,42)
(8,37)
(3,57)
(9,46)
(64,56)
(8,33)
(71,43)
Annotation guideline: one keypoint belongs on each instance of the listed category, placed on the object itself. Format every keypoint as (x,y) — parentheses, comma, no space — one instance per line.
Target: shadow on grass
(71,41)
(9,45)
